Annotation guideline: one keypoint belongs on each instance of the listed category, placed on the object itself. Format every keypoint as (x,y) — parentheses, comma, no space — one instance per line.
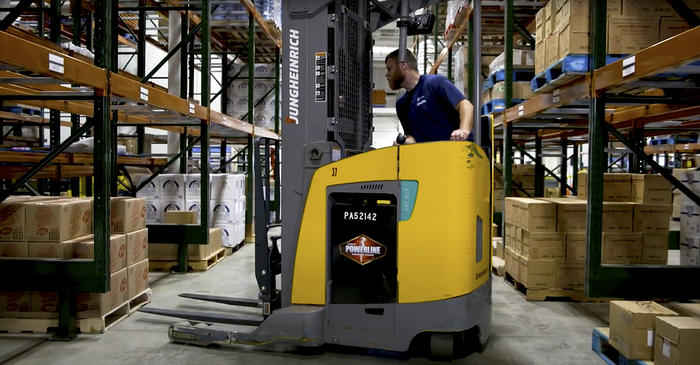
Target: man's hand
(459,135)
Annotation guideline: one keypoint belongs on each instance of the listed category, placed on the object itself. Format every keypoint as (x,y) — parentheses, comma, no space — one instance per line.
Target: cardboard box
(14,249)
(614,7)
(127,214)
(223,212)
(85,249)
(168,251)
(228,235)
(690,249)
(632,327)
(572,42)
(617,187)
(571,214)
(576,247)
(50,250)
(573,8)
(540,57)
(622,248)
(44,301)
(181,217)
(618,217)
(634,8)
(137,275)
(15,301)
(521,90)
(651,218)
(172,186)
(498,249)
(537,274)
(12,221)
(689,177)
(171,204)
(650,189)
(671,26)
(571,275)
(153,211)
(537,215)
(60,220)
(544,246)
(136,246)
(512,265)
(655,248)
(677,340)
(539,18)
(685,309)
(222,187)
(551,53)
(98,304)
(631,34)
(151,190)
(689,215)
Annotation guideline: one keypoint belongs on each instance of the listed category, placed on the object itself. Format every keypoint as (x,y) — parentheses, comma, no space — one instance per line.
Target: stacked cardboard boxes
(62,228)
(182,192)
(632,327)
(264,113)
(689,213)
(562,27)
(523,176)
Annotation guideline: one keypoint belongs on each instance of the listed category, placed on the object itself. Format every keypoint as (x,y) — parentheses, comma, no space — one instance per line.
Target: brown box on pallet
(498,250)
(634,8)
(655,248)
(15,301)
(136,246)
(44,301)
(168,251)
(181,217)
(551,52)
(618,217)
(85,249)
(617,187)
(651,218)
(573,42)
(632,326)
(12,217)
(127,214)
(677,340)
(58,221)
(670,26)
(631,34)
(537,274)
(622,248)
(571,214)
(98,304)
(51,250)
(511,262)
(14,249)
(571,275)
(536,246)
(521,90)
(537,216)
(137,275)
(650,189)
(576,247)
(539,18)
(540,57)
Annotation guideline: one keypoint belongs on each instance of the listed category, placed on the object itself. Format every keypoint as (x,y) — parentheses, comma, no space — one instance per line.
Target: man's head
(396,71)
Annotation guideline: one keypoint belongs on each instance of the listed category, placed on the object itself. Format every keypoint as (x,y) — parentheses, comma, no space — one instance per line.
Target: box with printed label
(632,327)
(671,26)
(14,249)
(153,211)
(85,249)
(618,217)
(689,177)
(168,251)
(677,340)
(551,52)
(690,249)
(60,220)
(15,301)
(537,274)
(171,204)
(543,245)
(127,214)
(689,215)
(540,55)
(571,275)
(227,234)
(537,215)
(193,186)
(572,41)
(181,217)
(498,249)
(98,304)
(622,248)
(650,189)
(136,246)
(223,212)
(651,218)
(646,8)
(571,214)
(617,187)
(222,187)
(151,190)
(512,263)
(172,186)
(576,247)
(631,34)
(51,250)
(655,248)
(12,220)
(137,275)
(44,301)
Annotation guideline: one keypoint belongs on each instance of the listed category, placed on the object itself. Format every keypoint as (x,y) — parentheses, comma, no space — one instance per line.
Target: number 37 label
(334,171)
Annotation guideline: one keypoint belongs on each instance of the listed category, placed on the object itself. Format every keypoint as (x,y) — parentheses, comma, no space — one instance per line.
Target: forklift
(378,246)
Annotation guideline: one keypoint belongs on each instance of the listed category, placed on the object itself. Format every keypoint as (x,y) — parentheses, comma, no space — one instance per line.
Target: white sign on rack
(144,93)
(628,66)
(555,96)
(521,110)
(191,108)
(56,63)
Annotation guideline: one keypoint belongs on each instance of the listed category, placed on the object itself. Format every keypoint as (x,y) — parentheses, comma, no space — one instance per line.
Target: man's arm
(466,121)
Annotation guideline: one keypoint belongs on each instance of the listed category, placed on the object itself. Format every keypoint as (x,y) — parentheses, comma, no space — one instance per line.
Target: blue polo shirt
(428,111)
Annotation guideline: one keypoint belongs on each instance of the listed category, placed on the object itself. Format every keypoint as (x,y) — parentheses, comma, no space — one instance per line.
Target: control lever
(400,139)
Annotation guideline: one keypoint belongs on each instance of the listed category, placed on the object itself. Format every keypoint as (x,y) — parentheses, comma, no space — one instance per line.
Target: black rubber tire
(442,346)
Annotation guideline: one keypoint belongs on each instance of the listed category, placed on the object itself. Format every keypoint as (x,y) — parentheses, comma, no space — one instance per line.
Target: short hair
(410,58)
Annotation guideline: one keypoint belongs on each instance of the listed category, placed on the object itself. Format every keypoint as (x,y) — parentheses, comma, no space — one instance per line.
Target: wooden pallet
(192,265)
(601,346)
(553,295)
(498,266)
(48,322)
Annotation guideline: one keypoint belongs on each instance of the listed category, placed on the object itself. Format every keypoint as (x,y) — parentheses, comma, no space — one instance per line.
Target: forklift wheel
(442,346)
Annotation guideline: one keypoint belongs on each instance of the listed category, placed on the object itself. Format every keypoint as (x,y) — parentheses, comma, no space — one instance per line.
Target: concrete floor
(523,332)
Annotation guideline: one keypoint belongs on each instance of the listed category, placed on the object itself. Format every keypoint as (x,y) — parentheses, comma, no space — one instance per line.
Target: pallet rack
(109,99)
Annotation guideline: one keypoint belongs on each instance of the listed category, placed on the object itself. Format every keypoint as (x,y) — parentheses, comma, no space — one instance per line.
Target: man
(432,109)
